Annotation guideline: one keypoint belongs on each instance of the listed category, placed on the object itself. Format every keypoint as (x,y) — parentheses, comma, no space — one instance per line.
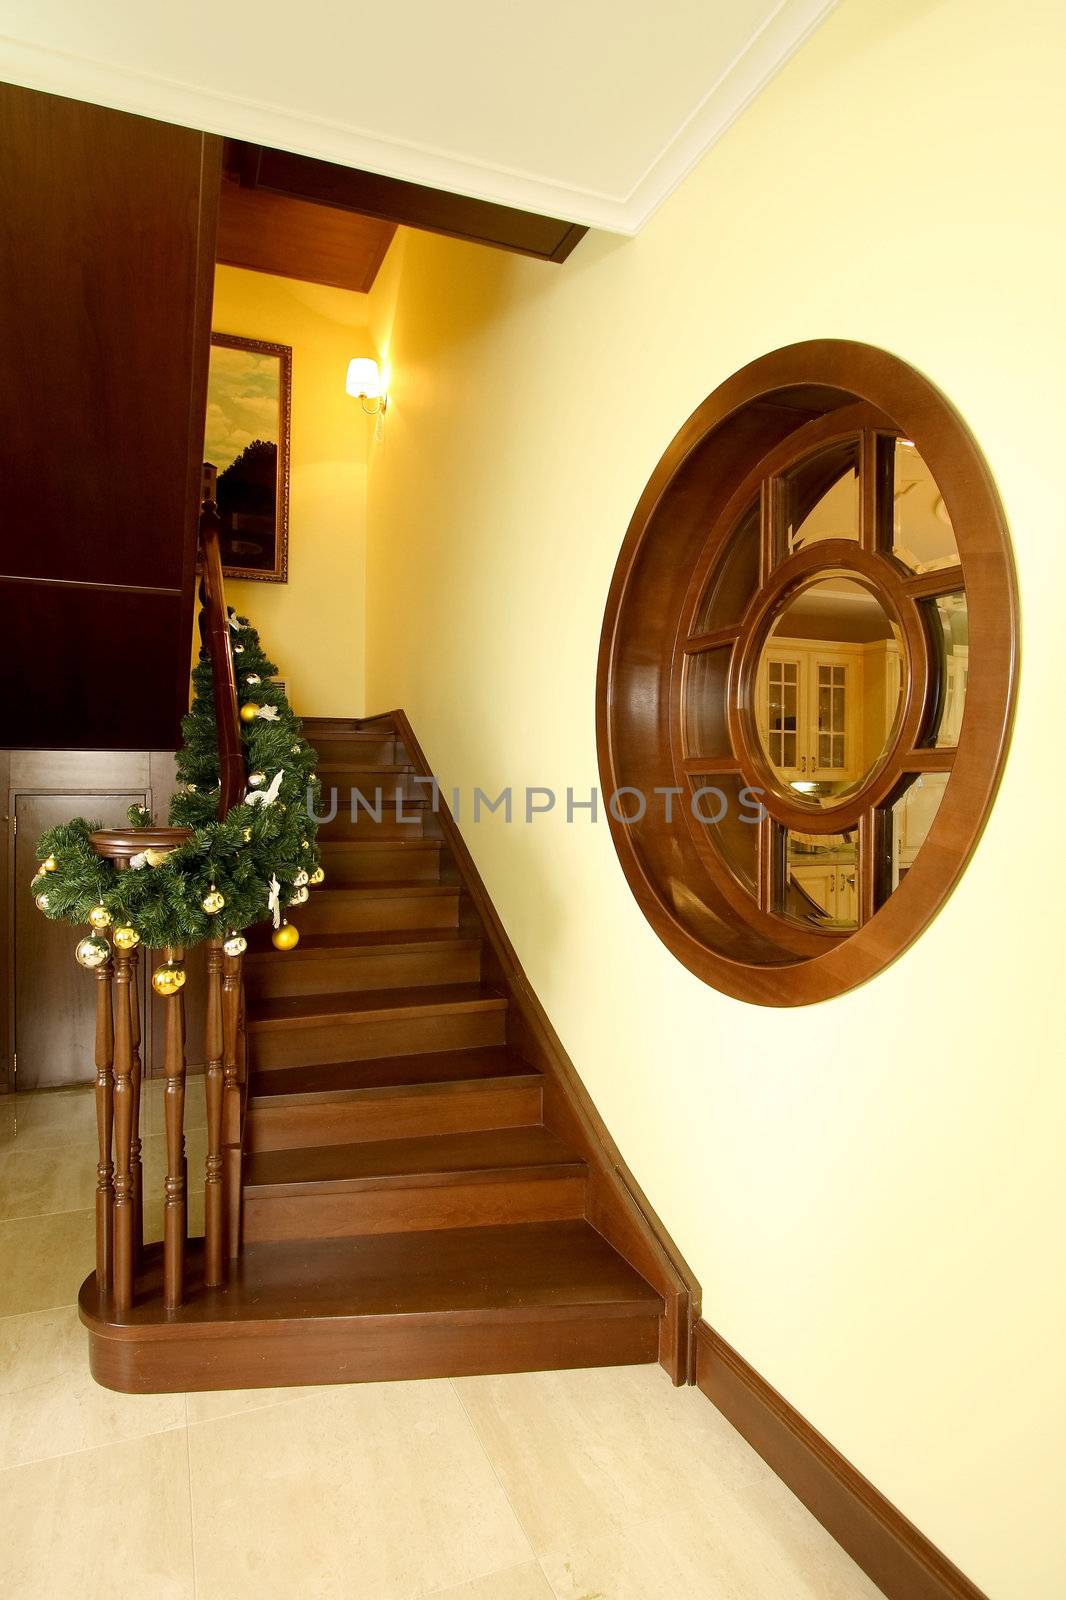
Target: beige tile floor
(596,1485)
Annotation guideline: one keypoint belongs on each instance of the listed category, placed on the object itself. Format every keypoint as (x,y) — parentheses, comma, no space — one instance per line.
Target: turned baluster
(174,1188)
(213,1084)
(122,1277)
(231,1102)
(105,1114)
(136,1174)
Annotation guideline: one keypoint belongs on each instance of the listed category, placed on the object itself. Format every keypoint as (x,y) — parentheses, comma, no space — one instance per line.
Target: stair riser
(356,822)
(368,780)
(412,1209)
(337,749)
(399,1116)
(270,976)
(370,913)
(355,1040)
(412,862)
(373,1350)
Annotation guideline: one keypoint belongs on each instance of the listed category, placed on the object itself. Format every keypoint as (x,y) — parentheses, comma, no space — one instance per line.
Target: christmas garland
(242,869)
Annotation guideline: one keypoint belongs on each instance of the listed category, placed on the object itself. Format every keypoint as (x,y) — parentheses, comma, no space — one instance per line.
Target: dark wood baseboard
(891,1550)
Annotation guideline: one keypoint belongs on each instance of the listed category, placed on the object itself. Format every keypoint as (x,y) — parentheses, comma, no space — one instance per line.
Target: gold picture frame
(247,441)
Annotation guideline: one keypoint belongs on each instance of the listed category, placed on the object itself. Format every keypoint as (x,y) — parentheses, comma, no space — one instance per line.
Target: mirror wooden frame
(764,418)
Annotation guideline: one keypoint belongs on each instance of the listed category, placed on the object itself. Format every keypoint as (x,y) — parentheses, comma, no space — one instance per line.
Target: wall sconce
(366,384)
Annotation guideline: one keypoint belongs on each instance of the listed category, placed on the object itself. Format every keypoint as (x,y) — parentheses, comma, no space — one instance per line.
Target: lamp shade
(364,378)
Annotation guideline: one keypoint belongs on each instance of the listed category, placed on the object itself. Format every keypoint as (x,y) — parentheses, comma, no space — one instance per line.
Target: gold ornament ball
(92,952)
(99,917)
(300,879)
(256,778)
(212,901)
(299,896)
(41,902)
(168,978)
(235,945)
(287,937)
(318,876)
(49,864)
(249,712)
(253,678)
(126,938)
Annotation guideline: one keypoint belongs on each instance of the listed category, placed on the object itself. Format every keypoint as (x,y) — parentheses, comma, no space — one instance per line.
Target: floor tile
(42,1180)
(50,1403)
(584,1451)
(107,1522)
(520,1583)
(43,1260)
(48,1117)
(634,1490)
(379,1489)
(210,1404)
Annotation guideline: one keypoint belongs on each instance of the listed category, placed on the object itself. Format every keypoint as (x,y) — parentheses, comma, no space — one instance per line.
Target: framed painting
(249,402)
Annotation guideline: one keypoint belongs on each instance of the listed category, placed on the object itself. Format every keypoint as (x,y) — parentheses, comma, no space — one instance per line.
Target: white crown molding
(169,100)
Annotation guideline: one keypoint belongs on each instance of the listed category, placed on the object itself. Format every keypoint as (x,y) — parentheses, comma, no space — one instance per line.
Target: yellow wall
(871,1191)
(313,625)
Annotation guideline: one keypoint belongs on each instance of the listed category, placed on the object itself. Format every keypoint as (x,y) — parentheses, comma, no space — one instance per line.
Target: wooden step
(415,1305)
(354,861)
(325,963)
(372,781)
(301,1030)
(451,1180)
(399,1097)
(339,739)
(379,907)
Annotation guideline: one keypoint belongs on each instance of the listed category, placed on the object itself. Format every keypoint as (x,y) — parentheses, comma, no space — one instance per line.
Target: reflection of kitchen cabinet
(834,889)
(824,710)
(809,699)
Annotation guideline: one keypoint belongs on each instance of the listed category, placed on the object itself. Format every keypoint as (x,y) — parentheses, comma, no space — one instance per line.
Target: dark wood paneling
(392,200)
(899,1559)
(295,239)
(91,668)
(107,226)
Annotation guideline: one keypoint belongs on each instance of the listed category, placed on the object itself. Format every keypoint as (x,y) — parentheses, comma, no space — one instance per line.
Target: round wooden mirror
(811,641)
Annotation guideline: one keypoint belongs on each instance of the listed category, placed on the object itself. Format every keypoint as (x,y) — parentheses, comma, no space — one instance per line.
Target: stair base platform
(415,1305)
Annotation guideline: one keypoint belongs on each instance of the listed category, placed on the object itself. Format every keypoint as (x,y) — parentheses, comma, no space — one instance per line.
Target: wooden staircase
(426,1190)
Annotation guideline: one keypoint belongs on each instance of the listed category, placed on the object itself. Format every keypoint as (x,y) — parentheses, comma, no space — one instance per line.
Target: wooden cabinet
(47,1001)
(107,242)
(824,711)
(833,887)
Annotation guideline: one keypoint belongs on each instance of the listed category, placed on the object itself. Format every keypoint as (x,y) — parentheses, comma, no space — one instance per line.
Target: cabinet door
(55,999)
(834,694)
(847,895)
(818,884)
(780,714)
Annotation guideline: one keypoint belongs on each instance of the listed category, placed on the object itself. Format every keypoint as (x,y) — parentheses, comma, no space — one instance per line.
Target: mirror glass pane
(910,820)
(735,578)
(821,878)
(829,687)
(728,812)
(922,535)
(950,634)
(822,497)
(706,672)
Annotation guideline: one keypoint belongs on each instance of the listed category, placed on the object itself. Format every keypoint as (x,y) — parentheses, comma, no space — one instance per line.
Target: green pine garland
(237,856)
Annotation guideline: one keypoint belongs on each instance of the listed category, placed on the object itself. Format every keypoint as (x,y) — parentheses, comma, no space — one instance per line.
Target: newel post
(123,1263)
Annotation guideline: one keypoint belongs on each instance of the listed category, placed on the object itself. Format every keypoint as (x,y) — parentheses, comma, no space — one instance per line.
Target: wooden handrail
(215,639)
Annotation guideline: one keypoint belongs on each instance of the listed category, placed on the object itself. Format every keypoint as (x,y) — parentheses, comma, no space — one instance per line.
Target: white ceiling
(590,110)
